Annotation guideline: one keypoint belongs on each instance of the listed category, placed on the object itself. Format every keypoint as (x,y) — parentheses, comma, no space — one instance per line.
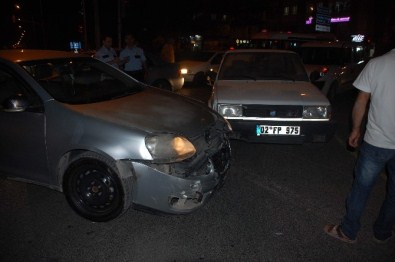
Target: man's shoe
(383,241)
(336,232)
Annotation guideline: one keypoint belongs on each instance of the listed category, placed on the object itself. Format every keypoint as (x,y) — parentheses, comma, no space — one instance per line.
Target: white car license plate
(277,130)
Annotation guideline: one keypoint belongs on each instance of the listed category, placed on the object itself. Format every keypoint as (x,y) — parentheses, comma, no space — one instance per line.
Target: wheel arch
(123,170)
(120,167)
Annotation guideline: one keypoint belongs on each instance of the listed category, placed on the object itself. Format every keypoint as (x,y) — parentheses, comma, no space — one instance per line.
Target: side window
(8,86)
(11,85)
(217,59)
(359,54)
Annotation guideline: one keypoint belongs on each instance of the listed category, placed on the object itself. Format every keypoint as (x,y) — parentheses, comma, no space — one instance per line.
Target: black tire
(163,84)
(94,189)
(200,79)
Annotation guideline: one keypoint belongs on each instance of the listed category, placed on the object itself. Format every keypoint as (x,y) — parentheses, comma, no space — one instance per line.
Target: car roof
(22,55)
(336,44)
(249,50)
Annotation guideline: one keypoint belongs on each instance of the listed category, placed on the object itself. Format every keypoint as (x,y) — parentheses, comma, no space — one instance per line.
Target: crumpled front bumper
(156,190)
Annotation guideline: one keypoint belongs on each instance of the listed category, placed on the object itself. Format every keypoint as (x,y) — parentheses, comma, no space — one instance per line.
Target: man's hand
(358,115)
(354,138)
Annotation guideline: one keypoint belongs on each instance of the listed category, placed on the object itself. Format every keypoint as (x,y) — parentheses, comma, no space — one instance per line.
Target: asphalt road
(273,207)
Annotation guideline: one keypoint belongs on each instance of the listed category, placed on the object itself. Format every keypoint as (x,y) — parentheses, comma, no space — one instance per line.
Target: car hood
(268,92)
(153,111)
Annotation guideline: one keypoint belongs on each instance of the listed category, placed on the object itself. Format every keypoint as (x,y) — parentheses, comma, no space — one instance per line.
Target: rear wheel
(94,189)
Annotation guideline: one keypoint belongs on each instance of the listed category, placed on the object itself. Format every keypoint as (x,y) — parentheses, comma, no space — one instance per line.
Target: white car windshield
(262,66)
(81,80)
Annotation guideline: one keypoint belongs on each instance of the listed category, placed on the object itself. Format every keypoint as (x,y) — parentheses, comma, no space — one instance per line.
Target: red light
(231,48)
(324,70)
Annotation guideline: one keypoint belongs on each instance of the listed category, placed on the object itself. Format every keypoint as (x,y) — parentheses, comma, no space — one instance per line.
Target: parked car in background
(80,126)
(267,97)
(201,67)
(334,65)
(163,75)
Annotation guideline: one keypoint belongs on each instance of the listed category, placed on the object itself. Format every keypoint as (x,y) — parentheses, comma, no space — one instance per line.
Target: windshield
(262,66)
(81,80)
(325,55)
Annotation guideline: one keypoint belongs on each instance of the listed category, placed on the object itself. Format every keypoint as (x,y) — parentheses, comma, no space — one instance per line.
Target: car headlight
(167,148)
(230,110)
(184,71)
(316,112)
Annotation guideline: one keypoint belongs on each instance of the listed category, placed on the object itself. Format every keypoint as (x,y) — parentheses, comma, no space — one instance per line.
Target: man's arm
(358,114)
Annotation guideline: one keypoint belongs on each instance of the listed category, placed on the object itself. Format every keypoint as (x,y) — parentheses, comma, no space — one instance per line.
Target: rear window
(262,66)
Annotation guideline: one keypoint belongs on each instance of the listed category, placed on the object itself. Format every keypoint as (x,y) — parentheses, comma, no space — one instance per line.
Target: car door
(22,133)
(216,61)
(350,69)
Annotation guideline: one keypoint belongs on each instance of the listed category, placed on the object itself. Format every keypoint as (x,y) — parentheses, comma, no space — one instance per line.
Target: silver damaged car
(82,127)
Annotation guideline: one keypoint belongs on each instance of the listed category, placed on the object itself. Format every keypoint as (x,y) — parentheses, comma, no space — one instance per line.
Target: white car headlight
(316,112)
(184,71)
(167,148)
(230,110)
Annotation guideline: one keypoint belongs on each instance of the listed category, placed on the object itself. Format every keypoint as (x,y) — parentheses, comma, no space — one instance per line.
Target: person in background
(376,85)
(134,56)
(107,54)
(167,52)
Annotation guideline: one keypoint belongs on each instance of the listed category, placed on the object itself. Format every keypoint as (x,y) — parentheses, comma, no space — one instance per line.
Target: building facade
(343,18)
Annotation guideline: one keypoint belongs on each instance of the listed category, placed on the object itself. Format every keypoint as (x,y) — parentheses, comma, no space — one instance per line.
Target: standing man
(167,52)
(107,54)
(136,60)
(377,84)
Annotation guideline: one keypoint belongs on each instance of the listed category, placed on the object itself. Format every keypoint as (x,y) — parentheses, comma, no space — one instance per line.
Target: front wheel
(94,190)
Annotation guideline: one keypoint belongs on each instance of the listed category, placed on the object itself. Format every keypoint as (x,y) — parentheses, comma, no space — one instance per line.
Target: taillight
(324,70)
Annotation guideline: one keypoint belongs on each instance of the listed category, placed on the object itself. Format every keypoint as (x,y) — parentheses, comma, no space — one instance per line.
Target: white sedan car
(335,64)
(267,96)
(200,67)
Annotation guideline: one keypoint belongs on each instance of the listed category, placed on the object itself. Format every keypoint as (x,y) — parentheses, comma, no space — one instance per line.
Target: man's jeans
(371,161)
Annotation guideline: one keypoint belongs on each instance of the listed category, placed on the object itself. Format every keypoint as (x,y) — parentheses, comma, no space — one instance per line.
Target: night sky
(53,23)
(47,23)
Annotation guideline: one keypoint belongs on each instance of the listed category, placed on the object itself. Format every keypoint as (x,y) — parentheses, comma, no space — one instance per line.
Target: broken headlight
(167,148)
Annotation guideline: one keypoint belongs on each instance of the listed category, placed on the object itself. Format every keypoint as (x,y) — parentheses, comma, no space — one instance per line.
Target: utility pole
(86,44)
(119,25)
(97,23)
(44,35)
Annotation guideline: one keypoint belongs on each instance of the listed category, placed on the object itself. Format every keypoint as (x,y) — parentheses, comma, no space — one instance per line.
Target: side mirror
(15,103)
(314,76)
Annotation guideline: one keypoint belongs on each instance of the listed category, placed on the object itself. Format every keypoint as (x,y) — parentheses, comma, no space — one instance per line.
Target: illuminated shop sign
(357,38)
(340,19)
(345,19)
